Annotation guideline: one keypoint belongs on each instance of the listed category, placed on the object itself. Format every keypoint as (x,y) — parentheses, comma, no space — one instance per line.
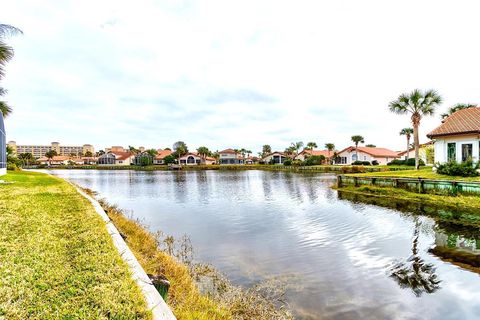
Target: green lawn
(425,172)
(57,260)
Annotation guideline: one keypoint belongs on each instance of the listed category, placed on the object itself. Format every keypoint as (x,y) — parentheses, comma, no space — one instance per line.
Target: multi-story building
(39,151)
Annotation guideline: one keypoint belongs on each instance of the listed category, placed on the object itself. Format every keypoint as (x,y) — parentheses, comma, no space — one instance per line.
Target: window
(364,157)
(354,157)
(467,151)
(451,152)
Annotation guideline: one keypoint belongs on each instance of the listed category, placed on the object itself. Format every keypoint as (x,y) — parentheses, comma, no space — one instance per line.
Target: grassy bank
(157,254)
(460,209)
(425,173)
(57,260)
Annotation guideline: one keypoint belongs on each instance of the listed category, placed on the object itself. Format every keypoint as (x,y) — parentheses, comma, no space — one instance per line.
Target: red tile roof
(55,158)
(461,122)
(162,154)
(324,153)
(121,155)
(376,152)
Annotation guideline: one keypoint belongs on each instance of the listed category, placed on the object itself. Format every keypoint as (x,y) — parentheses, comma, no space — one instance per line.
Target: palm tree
(50,154)
(330,147)
(133,150)
(311,145)
(26,157)
(370,145)
(418,104)
(455,108)
(296,146)
(6,53)
(408,133)
(180,148)
(266,149)
(357,139)
(203,151)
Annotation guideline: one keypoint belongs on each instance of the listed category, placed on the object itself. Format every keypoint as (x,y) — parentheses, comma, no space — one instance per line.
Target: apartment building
(39,151)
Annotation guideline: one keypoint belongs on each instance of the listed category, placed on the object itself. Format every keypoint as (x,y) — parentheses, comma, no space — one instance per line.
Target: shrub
(314,160)
(453,168)
(375,163)
(169,159)
(409,162)
(297,163)
(361,163)
(287,162)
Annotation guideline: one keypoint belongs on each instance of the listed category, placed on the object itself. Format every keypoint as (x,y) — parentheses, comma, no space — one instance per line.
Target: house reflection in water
(457,249)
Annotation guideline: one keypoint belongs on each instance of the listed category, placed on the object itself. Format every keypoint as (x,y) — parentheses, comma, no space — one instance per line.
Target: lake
(340,254)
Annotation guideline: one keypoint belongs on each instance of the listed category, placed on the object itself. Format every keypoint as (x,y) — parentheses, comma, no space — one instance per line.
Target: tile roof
(55,158)
(324,153)
(162,154)
(121,155)
(376,152)
(228,151)
(461,122)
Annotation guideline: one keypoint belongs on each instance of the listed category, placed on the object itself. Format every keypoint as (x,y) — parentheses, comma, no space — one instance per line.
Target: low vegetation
(219,299)
(453,168)
(424,173)
(57,260)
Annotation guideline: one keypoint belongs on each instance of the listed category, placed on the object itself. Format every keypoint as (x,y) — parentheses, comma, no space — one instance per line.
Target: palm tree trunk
(408,147)
(417,144)
(356,150)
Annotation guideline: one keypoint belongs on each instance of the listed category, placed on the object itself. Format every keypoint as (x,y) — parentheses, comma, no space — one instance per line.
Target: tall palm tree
(408,133)
(330,147)
(4,107)
(357,139)
(266,149)
(418,104)
(203,151)
(455,108)
(50,154)
(311,145)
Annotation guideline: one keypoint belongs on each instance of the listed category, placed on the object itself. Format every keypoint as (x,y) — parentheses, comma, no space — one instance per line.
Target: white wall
(3,171)
(363,157)
(441,154)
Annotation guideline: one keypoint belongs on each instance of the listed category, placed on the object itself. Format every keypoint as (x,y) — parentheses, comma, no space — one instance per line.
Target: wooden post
(395,183)
(339,181)
(373,181)
(421,187)
(355,181)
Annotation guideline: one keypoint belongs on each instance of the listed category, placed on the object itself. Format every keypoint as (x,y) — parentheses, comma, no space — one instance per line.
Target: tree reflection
(414,273)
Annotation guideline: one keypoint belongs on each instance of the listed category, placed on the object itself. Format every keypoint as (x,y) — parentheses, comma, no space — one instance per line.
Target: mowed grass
(57,260)
(425,173)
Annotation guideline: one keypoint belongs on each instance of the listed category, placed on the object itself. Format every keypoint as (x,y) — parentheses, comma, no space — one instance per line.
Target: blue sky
(233,73)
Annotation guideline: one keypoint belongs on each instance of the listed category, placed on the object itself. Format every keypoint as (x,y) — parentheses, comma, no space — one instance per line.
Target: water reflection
(254,225)
(415,273)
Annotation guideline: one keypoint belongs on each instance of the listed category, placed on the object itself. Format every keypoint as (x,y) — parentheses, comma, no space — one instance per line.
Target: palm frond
(8,30)
(3,91)
(5,108)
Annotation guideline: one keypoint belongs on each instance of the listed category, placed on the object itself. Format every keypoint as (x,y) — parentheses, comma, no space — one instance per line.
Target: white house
(55,161)
(423,153)
(381,155)
(193,158)
(160,157)
(458,137)
(309,153)
(116,158)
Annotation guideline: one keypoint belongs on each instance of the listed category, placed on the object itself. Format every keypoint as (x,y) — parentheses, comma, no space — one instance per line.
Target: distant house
(423,153)
(55,161)
(160,157)
(457,138)
(275,158)
(193,158)
(116,158)
(381,155)
(230,156)
(252,160)
(308,153)
(142,158)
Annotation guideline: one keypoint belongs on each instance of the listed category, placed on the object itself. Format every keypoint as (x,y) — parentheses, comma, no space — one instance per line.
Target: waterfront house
(193,158)
(252,160)
(230,156)
(425,152)
(161,154)
(458,137)
(116,158)
(302,156)
(381,155)
(275,158)
(55,161)
(142,158)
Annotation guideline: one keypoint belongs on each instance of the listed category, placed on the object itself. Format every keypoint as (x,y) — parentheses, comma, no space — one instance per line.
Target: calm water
(340,254)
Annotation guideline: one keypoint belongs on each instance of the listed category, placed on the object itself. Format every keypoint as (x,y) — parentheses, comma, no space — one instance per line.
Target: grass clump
(57,260)
(218,299)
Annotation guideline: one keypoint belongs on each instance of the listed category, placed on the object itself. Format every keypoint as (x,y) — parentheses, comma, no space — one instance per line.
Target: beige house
(425,152)
(308,153)
(351,154)
(275,158)
(160,157)
(230,156)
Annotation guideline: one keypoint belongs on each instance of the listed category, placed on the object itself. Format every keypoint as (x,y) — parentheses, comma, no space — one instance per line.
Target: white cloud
(225,73)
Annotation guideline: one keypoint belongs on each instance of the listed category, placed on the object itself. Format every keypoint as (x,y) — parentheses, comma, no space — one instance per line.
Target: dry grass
(160,255)
(57,260)
(425,173)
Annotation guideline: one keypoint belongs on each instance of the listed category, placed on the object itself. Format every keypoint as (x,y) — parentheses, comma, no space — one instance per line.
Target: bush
(287,162)
(314,161)
(169,159)
(453,168)
(375,163)
(361,163)
(409,162)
